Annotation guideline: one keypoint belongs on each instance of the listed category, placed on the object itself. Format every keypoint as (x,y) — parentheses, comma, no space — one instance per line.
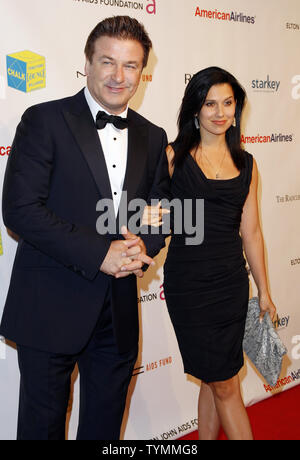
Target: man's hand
(137,255)
(125,257)
(116,256)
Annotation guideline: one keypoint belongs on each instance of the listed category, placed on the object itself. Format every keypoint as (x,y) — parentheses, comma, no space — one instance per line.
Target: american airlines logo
(224,15)
(265,139)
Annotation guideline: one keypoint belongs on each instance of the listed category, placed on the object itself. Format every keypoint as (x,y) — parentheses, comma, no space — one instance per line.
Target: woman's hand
(153,215)
(266,306)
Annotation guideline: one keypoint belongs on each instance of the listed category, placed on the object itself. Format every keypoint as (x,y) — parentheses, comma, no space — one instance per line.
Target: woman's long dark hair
(188,137)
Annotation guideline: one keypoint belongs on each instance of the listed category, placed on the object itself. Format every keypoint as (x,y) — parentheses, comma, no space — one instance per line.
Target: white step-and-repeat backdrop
(259,43)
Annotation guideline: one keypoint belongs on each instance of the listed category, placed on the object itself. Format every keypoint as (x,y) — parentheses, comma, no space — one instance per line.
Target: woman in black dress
(207,286)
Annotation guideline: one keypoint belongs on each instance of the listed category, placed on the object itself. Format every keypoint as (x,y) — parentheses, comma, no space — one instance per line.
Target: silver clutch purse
(262,344)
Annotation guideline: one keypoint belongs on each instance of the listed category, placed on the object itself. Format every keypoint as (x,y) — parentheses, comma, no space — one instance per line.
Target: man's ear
(87,68)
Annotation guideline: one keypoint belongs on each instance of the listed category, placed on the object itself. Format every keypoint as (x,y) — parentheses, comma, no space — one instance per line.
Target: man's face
(114,74)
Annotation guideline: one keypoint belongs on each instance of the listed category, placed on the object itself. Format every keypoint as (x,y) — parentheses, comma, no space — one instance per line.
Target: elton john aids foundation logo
(26,71)
(149,6)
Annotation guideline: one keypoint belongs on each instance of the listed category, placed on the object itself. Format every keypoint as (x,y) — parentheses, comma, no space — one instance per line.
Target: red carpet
(274,419)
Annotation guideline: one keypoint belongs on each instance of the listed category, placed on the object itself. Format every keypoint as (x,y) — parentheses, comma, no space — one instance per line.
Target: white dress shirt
(114,143)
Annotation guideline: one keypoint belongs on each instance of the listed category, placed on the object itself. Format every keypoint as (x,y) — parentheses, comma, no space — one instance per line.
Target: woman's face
(218,111)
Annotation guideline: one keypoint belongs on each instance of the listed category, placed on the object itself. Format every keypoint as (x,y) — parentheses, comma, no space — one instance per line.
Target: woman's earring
(234,123)
(197,122)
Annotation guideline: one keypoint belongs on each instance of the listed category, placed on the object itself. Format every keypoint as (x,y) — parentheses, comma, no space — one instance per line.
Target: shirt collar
(95,106)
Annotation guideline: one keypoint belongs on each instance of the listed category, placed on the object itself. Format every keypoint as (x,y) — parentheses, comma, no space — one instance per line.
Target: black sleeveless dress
(207,286)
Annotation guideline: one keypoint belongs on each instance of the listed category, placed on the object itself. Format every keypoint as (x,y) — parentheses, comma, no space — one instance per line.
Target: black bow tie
(103,118)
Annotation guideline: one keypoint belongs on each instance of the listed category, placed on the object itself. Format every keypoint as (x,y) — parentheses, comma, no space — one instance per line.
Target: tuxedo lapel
(136,157)
(81,123)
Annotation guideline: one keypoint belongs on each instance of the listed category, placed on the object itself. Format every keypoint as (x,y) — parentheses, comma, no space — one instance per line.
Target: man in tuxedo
(73,295)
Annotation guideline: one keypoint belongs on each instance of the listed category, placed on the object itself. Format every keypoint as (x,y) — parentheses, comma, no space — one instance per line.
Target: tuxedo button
(114,166)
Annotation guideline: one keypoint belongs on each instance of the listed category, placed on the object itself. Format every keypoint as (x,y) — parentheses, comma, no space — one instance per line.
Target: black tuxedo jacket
(55,176)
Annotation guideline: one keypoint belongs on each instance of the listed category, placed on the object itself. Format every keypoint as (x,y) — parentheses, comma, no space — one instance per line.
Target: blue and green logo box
(26,71)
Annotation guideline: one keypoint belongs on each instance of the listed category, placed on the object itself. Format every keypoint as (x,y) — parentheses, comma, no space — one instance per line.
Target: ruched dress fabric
(207,285)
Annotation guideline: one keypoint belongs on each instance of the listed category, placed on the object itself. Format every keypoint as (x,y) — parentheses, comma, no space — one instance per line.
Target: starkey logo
(265,85)
(26,71)
(232,16)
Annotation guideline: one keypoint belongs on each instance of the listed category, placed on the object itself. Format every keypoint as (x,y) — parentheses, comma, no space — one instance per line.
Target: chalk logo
(26,71)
